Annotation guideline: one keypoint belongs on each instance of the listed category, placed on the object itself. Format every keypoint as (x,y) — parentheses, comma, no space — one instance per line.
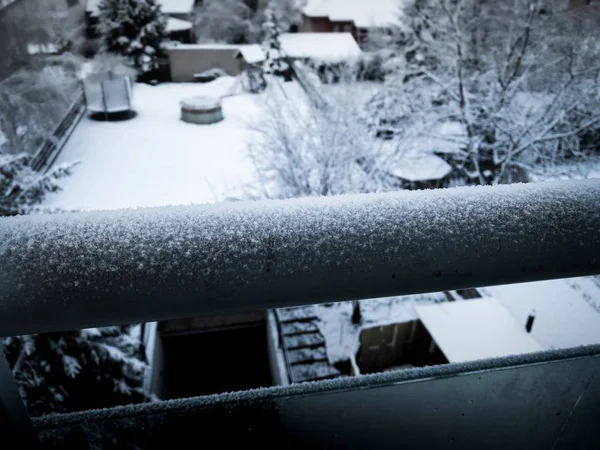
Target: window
(71,3)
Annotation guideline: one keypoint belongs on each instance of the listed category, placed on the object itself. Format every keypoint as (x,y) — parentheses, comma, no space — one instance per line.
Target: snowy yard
(567,314)
(156,159)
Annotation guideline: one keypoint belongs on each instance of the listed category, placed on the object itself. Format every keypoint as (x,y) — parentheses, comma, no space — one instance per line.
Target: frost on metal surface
(336,385)
(88,269)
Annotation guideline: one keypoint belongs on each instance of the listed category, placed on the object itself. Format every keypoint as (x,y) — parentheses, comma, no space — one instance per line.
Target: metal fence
(78,270)
(52,146)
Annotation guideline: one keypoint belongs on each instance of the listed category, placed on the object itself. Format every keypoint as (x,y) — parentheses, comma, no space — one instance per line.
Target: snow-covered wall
(75,270)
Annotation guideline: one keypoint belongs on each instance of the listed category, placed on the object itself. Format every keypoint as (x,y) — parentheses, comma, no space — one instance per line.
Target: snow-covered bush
(253,80)
(21,187)
(117,64)
(78,370)
(368,67)
(135,29)
(229,21)
(242,21)
(303,150)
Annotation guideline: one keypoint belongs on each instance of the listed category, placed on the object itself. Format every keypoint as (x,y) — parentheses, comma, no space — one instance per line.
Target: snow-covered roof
(201,103)
(252,53)
(327,46)
(363,13)
(174,24)
(420,166)
(476,329)
(167,6)
(567,311)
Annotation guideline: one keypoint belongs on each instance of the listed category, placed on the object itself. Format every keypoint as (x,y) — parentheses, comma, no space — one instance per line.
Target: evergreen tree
(21,187)
(78,370)
(60,372)
(135,29)
(275,61)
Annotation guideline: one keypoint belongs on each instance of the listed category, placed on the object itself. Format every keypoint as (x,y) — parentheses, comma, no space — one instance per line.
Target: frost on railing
(77,270)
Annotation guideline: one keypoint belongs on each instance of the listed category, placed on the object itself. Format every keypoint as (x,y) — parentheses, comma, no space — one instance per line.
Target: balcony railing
(77,270)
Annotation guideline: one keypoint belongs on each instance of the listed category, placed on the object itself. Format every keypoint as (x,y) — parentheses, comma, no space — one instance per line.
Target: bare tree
(478,61)
(241,21)
(303,149)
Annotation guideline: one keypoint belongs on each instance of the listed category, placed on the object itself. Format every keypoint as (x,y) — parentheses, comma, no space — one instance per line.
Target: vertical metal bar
(15,423)
(104,100)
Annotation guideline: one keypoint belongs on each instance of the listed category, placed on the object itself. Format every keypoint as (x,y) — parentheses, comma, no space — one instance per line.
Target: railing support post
(15,423)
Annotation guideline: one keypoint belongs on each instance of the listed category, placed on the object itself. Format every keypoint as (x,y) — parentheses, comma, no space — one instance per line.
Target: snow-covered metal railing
(76,270)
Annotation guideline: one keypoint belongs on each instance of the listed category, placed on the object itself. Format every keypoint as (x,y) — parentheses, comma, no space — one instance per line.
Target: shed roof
(476,329)
(567,310)
(327,46)
(364,14)
(420,167)
(174,24)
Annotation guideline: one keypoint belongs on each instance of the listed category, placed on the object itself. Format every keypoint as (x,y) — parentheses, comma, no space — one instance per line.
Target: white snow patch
(174,24)
(42,49)
(364,14)
(476,329)
(577,169)
(156,159)
(417,166)
(202,103)
(567,311)
(323,46)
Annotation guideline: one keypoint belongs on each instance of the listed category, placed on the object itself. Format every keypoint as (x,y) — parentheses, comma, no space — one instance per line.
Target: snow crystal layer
(346,383)
(201,103)
(77,270)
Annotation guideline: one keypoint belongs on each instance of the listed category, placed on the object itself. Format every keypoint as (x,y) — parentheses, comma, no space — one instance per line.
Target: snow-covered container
(201,110)
(108,92)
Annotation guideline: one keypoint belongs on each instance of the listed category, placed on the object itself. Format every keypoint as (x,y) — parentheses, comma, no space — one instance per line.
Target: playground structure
(108,92)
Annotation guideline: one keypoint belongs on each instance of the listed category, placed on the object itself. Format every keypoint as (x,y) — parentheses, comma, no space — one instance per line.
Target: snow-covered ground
(567,311)
(567,314)
(156,159)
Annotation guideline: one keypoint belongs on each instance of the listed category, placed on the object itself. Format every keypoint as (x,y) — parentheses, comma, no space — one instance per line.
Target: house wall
(183,16)
(382,346)
(37,21)
(579,3)
(316,25)
(324,25)
(184,63)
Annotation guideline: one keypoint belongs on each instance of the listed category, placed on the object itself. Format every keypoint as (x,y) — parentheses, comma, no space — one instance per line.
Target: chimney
(529,324)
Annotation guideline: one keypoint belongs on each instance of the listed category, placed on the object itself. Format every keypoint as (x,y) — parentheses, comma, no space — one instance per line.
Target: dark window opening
(397,346)
(216,361)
